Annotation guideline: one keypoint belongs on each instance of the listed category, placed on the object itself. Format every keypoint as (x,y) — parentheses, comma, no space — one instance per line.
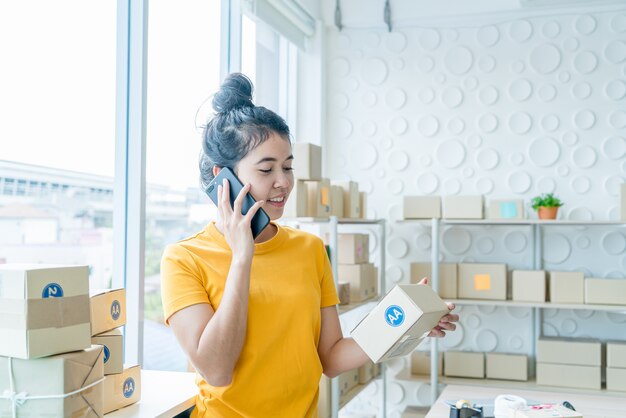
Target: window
(183,72)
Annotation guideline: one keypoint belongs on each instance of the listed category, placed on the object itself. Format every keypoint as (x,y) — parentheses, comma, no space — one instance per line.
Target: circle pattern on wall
(453,339)
(374,71)
(544,152)
(427,182)
(452,97)
(395,186)
(398,125)
(450,153)
(487,63)
(485,245)
(547,93)
(395,274)
(428,126)
(551,29)
(615,52)
(557,248)
(516,342)
(618,23)
(584,156)
(487,158)
(580,214)
(456,240)
(520,90)
(451,186)
(426,95)
(395,98)
(398,160)
(423,241)
(520,123)
(550,123)
(488,36)
(546,185)
(520,31)
(570,138)
(585,62)
(341,67)
(571,44)
(486,340)
(425,64)
(519,182)
(581,184)
(488,95)
(369,99)
(488,122)
(365,155)
(617,119)
(396,42)
(614,243)
(456,125)
(484,185)
(430,39)
(340,101)
(545,59)
(615,90)
(458,60)
(585,25)
(584,119)
(614,147)
(515,242)
(581,91)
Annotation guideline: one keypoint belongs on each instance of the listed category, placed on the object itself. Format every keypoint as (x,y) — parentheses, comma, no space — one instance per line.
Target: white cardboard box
(351,198)
(297,203)
(622,193)
(482,281)
(113,348)
(362,280)
(616,354)
(570,351)
(464,364)
(399,322)
(336,201)
(318,198)
(605,291)
(506,209)
(506,366)
(363,205)
(529,285)
(353,248)
(122,389)
(44,309)
(447,277)
(308,161)
(616,379)
(568,375)
(463,207)
(422,207)
(567,287)
(108,310)
(421,361)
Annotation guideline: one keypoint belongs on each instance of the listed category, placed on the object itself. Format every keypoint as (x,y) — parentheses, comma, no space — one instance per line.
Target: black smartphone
(260,220)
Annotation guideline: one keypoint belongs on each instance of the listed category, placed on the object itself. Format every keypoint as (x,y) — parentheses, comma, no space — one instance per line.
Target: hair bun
(235,93)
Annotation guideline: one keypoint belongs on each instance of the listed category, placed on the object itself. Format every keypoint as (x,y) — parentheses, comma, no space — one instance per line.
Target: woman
(257,318)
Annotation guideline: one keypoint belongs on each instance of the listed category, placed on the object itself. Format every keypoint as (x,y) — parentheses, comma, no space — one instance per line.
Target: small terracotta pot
(547,213)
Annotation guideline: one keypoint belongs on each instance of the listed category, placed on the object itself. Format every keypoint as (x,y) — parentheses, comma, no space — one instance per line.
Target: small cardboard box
(616,354)
(415,412)
(507,366)
(362,280)
(570,351)
(420,362)
(482,281)
(308,161)
(605,291)
(568,375)
(113,349)
(55,376)
(463,207)
(347,381)
(567,287)
(122,389)
(336,201)
(529,285)
(318,198)
(546,411)
(343,291)
(506,209)
(366,373)
(464,364)
(363,205)
(622,200)
(616,379)
(297,203)
(44,309)
(422,207)
(447,277)
(108,310)
(351,198)
(399,322)
(353,248)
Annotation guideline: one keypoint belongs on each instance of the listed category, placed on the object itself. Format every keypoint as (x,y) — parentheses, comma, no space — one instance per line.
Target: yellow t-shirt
(278,371)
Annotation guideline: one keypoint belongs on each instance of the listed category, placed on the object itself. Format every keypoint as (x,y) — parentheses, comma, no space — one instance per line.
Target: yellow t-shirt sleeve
(181,282)
(329,292)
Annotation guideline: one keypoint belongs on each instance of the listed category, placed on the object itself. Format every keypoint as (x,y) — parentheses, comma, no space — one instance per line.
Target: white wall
(500,107)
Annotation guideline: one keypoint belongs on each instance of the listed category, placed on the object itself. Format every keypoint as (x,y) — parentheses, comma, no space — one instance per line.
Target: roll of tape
(506,405)
(463,403)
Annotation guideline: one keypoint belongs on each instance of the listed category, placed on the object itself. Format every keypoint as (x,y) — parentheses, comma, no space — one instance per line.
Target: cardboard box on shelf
(44,309)
(55,376)
(616,354)
(363,205)
(464,364)
(336,201)
(113,349)
(318,198)
(546,411)
(422,207)
(605,291)
(122,389)
(567,287)
(362,280)
(297,203)
(506,209)
(622,193)
(343,291)
(447,277)
(616,379)
(463,207)
(308,159)
(351,198)
(583,352)
(108,310)
(399,322)
(347,381)
(482,281)
(569,375)
(507,366)
(420,363)
(353,248)
(529,285)
(366,372)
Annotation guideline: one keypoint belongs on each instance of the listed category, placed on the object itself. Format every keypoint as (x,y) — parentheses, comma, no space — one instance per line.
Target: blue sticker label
(52,290)
(115,310)
(508,210)
(129,387)
(394,315)
(107,354)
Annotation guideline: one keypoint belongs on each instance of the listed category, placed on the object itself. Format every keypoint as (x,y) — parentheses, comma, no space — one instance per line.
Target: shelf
(406,376)
(342,309)
(354,392)
(544,305)
(327,220)
(514,222)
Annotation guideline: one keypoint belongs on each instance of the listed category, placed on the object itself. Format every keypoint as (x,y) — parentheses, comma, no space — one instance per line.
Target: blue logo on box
(394,315)
(107,354)
(52,290)
(129,387)
(115,310)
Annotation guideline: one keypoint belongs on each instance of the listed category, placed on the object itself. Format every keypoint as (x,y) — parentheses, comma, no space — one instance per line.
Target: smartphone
(260,220)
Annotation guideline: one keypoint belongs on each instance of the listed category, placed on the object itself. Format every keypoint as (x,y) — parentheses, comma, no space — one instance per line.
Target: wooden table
(163,395)
(589,405)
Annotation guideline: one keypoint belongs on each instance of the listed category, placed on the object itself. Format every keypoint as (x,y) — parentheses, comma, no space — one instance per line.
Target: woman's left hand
(447,322)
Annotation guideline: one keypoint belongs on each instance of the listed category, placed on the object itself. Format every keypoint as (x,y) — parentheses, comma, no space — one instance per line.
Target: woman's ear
(216,170)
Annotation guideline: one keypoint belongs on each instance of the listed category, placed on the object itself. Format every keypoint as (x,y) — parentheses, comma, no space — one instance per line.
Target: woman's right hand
(237,228)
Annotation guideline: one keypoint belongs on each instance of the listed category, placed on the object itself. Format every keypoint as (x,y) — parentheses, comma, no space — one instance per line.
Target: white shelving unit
(334,224)
(535,226)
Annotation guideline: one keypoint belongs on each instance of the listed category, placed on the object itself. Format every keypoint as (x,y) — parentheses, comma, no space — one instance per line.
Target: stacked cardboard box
(354,266)
(464,364)
(482,281)
(351,199)
(422,207)
(421,362)
(574,363)
(447,277)
(616,366)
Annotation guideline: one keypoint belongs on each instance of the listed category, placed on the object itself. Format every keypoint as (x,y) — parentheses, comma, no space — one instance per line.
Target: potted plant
(547,205)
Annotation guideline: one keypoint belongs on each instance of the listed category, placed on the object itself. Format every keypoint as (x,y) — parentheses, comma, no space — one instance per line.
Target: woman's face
(268,170)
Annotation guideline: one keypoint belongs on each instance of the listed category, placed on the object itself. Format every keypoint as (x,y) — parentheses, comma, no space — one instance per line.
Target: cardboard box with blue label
(44,309)
(113,346)
(399,322)
(108,310)
(122,389)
